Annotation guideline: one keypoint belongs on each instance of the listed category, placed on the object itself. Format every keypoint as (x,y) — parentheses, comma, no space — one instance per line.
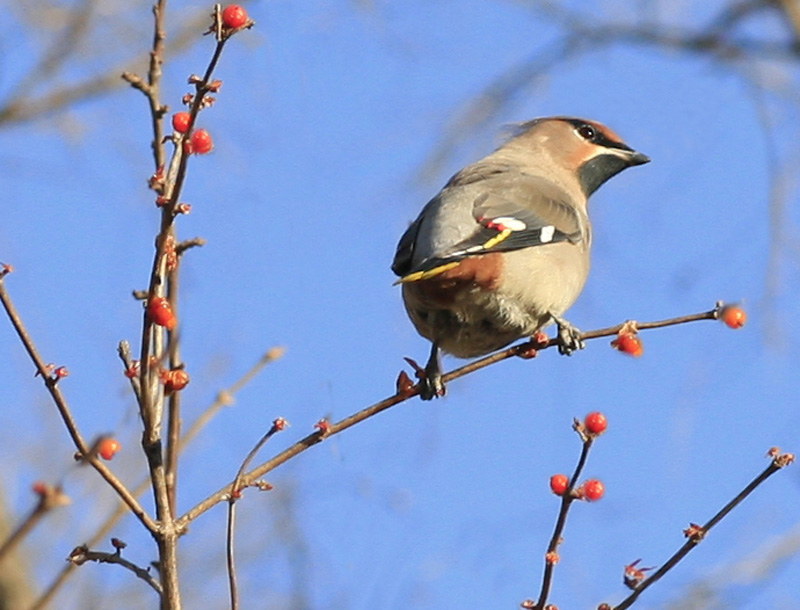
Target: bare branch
(278,425)
(567,499)
(524,349)
(22,107)
(718,40)
(224,398)
(82,554)
(64,410)
(50,497)
(697,533)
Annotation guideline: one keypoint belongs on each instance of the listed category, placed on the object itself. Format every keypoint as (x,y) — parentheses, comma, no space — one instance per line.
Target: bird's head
(591,152)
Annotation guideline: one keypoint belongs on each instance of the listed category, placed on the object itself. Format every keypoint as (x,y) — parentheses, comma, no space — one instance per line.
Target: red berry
(201,142)
(629,343)
(593,490)
(733,316)
(596,422)
(180,121)
(559,483)
(160,312)
(234,16)
(108,447)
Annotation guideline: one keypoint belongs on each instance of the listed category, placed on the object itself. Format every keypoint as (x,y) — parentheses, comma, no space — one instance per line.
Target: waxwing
(503,249)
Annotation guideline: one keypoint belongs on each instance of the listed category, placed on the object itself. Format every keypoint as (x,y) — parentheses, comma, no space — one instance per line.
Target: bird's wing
(513,211)
(404,255)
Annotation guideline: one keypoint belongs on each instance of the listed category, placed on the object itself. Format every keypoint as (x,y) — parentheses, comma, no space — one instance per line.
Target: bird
(503,250)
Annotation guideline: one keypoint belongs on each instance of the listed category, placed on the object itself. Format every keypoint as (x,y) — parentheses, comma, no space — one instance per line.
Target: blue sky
(327,117)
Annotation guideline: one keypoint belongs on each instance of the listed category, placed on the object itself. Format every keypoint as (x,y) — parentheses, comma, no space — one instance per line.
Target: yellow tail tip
(426,275)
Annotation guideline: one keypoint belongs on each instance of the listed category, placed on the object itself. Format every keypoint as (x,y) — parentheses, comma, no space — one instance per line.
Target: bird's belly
(474,322)
(468,319)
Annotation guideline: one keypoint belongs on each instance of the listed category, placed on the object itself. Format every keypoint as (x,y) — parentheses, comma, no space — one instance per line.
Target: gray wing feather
(476,205)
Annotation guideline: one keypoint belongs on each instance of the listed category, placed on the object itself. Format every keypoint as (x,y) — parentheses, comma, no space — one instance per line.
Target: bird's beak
(636,158)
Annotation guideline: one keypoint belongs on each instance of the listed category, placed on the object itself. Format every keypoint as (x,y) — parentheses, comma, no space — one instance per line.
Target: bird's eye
(587,132)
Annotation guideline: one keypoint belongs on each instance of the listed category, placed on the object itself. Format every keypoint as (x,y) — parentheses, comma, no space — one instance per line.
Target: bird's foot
(431,384)
(570,338)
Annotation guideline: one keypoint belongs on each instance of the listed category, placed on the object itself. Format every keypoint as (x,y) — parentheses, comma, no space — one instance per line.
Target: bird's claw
(570,338)
(431,384)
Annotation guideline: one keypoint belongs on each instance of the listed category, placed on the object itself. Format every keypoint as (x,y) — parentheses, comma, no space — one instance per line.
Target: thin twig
(50,497)
(125,354)
(62,47)
(154,74)
(792,10)
(224,398)
(82,554)
(567,499)
(174,403)
(162,467)
(21,107)
(278,425)
(721,39)
(151,397)
(404,394)
(186,244)
(230,557)
(699,533)
(64,410)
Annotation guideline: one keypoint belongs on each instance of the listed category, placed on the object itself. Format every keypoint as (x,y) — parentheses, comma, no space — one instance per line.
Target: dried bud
(404,384)
(633,575)
(118,544)
(324,426)
(695,532)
